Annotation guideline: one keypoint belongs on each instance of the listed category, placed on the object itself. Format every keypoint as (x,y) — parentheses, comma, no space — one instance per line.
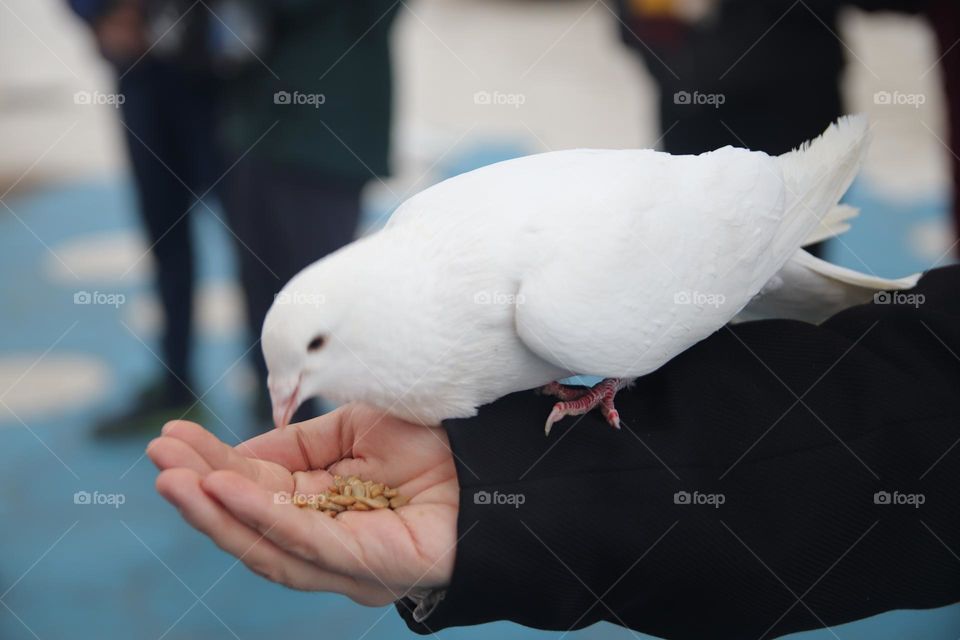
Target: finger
(181,487)
(219,455)
(169,453)
(304,533)
(312,444)
(360,467)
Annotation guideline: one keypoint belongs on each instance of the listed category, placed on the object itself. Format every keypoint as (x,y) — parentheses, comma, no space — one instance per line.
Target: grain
(351,494)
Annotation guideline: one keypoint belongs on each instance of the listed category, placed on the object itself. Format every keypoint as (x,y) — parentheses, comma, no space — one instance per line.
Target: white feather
(812,290)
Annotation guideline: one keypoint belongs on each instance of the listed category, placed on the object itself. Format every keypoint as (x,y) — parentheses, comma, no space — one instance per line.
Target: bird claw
(578,401)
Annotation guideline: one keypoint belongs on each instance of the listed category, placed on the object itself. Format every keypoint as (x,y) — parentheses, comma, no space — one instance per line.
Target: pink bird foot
(576,401)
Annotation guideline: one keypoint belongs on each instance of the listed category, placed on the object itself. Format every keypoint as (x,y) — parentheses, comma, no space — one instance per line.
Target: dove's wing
(639,279)
(619,260)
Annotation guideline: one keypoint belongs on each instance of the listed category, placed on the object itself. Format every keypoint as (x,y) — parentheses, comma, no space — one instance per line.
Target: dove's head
(319,334)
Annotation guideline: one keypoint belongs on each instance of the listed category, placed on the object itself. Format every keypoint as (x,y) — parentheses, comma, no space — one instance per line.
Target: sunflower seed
(351,494)
(374,503)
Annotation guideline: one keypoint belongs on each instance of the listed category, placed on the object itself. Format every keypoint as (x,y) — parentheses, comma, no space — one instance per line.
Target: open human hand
(373,557)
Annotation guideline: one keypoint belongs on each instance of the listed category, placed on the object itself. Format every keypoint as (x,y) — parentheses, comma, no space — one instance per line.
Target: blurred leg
(163,203)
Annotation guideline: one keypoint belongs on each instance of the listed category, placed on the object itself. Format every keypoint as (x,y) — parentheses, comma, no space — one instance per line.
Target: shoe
(155,405)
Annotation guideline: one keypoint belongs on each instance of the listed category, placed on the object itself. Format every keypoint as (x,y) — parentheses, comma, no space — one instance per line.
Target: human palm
(374,557)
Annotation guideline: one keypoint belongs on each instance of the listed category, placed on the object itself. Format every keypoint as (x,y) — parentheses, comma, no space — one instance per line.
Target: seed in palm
(351,494)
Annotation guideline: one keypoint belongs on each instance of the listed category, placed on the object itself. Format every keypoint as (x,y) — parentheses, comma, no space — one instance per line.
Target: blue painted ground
(69,571)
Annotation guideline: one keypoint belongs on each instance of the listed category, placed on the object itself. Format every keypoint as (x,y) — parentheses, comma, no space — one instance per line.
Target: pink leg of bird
(576,401)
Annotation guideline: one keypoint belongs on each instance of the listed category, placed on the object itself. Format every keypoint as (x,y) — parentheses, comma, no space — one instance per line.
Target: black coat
(775,477)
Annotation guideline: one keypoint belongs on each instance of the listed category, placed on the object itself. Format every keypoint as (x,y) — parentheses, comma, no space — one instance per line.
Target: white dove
(598,262)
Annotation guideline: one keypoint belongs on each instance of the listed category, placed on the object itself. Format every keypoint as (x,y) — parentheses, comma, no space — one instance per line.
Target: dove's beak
(285,399)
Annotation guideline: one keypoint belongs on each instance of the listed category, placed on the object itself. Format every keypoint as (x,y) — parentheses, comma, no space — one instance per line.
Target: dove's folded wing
(634,289)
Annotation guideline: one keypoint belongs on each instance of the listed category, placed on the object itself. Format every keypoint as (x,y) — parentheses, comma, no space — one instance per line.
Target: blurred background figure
(158,51)
(944,17)
(474,82)
(725,79)
(713,93)
(308,124)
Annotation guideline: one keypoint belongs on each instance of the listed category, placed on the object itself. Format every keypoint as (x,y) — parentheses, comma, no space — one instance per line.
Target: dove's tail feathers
(816,176)
(834,288)
(854,279)
(833,224)
(812,290)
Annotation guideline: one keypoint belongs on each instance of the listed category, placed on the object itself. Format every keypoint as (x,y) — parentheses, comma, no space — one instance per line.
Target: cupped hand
(374,557)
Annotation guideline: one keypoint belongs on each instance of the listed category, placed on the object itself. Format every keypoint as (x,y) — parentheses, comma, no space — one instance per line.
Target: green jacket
(325,81)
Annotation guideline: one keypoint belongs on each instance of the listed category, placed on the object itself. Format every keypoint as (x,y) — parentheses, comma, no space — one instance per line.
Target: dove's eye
(316,344)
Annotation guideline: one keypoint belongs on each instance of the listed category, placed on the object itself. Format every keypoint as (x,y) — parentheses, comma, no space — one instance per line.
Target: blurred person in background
(307,122)
(157,49)
(725,81)
(764,75)
(944,16)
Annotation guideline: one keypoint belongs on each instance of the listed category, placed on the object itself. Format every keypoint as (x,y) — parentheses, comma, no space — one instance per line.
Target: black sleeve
(776,477)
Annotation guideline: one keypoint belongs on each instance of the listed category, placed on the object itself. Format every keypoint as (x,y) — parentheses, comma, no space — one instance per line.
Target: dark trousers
(169,125)
(284,219)
(945,17)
